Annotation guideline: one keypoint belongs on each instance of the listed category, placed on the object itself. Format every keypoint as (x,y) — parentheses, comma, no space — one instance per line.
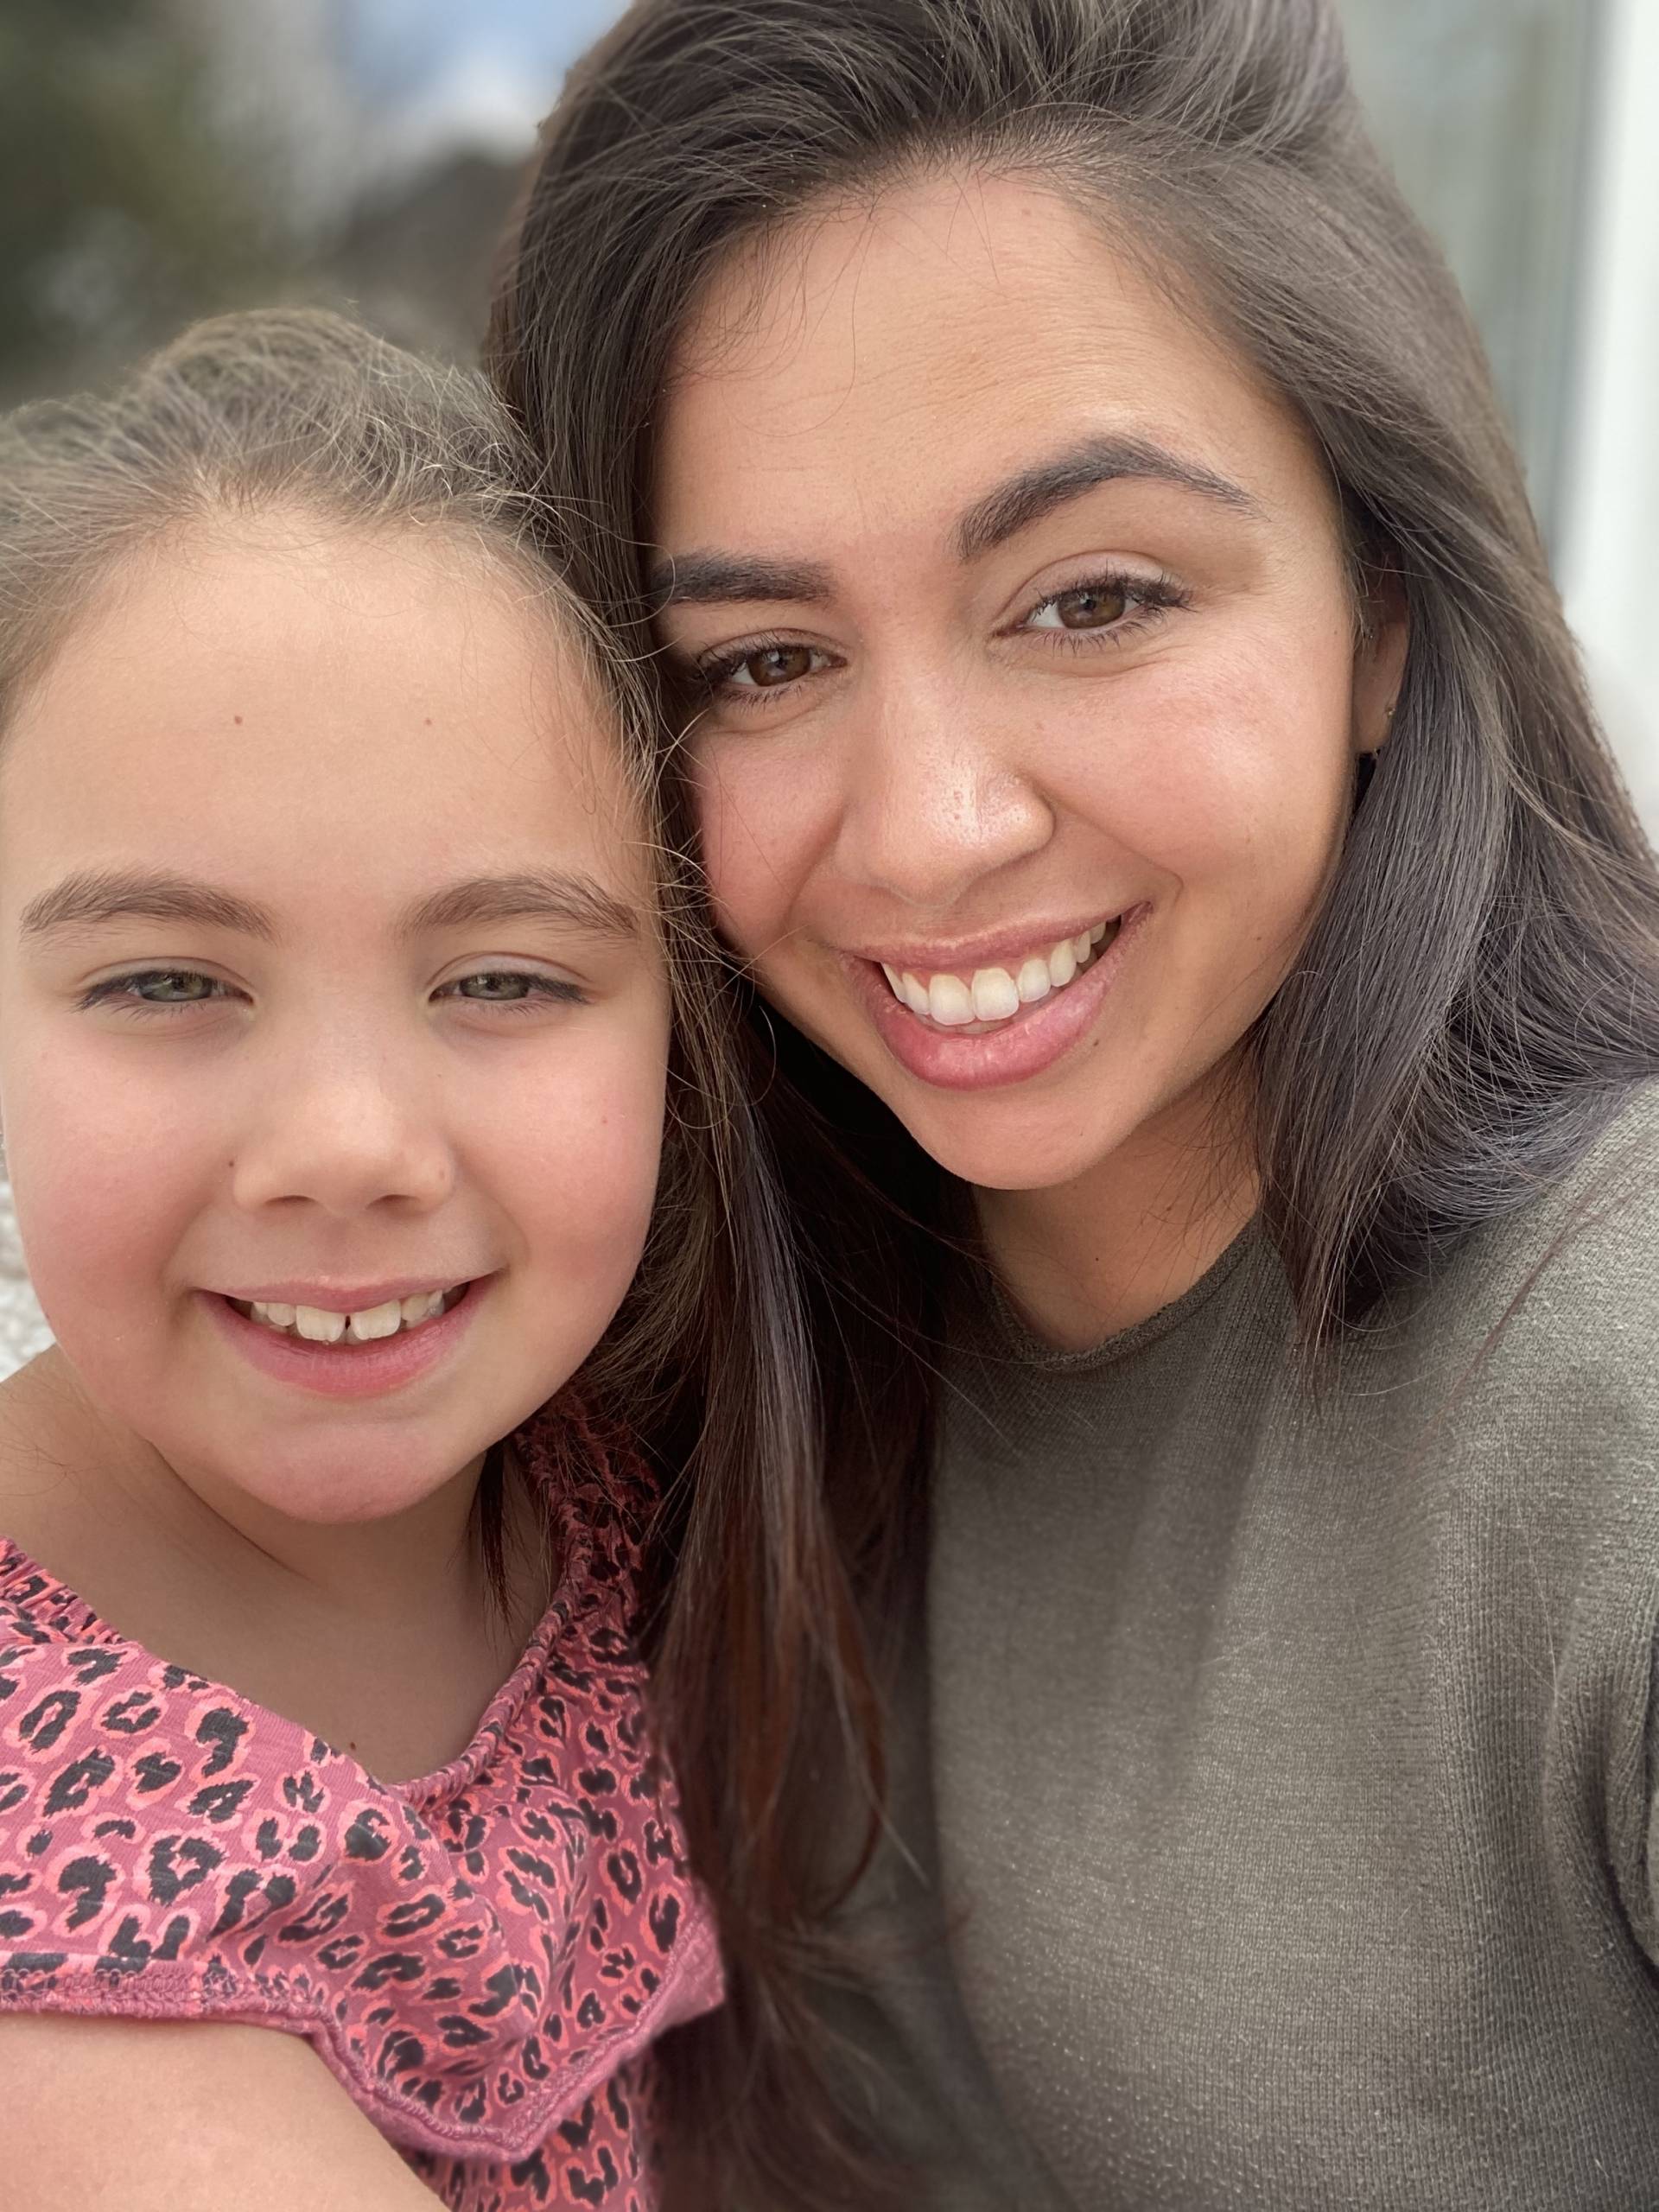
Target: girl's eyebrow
(92,896)
(84,900)
(706,578)
(566,896)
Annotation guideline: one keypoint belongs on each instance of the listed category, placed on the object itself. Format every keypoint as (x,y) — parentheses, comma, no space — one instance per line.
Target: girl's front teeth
(319,1326)
(995,994)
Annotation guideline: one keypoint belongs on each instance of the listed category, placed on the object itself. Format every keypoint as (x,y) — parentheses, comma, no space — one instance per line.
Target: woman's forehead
(924,343)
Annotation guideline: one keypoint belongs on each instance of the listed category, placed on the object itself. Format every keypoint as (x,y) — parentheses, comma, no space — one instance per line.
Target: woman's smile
(1073,646)
(945,1025)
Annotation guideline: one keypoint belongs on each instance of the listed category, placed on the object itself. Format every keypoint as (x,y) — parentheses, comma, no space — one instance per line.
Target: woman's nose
(346,1132)
(937,799)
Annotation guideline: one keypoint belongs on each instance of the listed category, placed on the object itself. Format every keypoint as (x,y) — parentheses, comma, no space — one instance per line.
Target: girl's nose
(936,801)
(344,1135)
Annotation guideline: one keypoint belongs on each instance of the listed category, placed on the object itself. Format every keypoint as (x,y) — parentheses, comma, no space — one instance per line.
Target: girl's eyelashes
(147,991)
(1103,607)
(518,989)
(157,990)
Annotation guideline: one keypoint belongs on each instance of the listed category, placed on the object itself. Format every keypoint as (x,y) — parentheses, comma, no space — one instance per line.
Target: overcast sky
(482,75)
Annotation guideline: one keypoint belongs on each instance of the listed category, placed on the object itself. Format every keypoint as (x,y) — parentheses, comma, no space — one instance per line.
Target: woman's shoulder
(1591,1240)
(1552,1313)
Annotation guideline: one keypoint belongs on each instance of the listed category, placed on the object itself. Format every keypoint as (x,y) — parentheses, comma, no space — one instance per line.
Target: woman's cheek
(762,813)
(1221,778)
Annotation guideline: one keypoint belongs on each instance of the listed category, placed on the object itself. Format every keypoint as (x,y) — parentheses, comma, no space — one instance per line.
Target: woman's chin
(1007,1147)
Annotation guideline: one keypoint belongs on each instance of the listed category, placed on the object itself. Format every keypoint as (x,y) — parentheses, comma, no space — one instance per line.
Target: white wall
(1609,538)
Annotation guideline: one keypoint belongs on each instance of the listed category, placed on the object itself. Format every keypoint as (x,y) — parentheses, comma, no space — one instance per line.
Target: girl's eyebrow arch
(574,900)
(1026,498)
(84,900)
(95,895)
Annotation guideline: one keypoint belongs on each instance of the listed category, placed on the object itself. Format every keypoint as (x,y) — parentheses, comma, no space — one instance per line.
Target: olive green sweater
(1280,1770)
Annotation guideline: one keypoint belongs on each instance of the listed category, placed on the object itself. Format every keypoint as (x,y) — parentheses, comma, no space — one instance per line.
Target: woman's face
(1028,662)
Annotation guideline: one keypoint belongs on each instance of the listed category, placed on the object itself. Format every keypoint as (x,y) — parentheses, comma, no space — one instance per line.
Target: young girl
(336,999)
(1143,763)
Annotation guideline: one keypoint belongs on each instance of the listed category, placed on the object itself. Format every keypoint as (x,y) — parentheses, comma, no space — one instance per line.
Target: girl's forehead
(326,701)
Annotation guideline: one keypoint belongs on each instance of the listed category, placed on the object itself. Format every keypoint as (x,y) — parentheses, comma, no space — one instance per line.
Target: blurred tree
(123,210)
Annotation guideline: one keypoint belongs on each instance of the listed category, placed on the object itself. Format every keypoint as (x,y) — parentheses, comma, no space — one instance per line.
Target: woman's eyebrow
(1024,499)
(708,579)
(712,579)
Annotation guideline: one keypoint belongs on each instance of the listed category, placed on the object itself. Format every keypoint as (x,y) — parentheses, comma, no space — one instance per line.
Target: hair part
(1480,988)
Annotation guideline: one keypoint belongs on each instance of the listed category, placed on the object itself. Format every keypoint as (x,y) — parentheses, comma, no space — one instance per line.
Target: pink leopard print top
(480,1956)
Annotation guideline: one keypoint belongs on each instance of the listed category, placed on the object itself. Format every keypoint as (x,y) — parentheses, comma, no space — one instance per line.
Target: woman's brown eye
(777,665)
(1091,607)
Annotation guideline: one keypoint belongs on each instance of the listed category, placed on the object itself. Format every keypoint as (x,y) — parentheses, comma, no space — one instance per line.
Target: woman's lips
(348,1369)
(1025,1046)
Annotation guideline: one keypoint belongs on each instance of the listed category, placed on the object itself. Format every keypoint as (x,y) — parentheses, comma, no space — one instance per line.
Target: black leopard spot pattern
(482,1957)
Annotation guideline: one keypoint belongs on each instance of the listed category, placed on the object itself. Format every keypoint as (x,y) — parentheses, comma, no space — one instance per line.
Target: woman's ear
(1379,663)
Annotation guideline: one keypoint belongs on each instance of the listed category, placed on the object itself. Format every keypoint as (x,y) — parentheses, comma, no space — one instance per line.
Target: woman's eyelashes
(145,993)
(1101,609)
(748,673)
(1109,607)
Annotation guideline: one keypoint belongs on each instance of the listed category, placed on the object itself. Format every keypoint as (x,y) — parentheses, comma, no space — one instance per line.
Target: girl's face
(1027,656)
(329,985)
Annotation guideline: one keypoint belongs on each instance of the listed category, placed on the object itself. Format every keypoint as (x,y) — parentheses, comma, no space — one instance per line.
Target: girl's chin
(342,1487)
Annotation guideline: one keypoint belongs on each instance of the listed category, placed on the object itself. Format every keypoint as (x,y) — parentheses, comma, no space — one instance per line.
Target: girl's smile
(373,1344)
(323,899)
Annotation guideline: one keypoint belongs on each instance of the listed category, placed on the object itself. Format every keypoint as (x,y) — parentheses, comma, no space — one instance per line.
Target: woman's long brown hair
(1481,989)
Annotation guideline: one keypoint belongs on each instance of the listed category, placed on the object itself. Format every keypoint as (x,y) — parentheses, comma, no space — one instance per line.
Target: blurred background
(162,158)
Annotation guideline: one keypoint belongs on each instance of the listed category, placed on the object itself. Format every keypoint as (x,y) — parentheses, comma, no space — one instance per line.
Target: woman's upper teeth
(994,994)
(320,1325)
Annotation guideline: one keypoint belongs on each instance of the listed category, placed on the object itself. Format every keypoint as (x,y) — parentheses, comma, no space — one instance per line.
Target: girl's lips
(1025,1046)
(349,1370)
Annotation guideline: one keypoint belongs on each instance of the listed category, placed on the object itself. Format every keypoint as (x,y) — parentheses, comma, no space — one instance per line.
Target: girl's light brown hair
(1481,989)
(305,417)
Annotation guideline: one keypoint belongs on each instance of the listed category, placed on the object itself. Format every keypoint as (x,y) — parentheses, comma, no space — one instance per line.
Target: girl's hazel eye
(493,987)
(174,987)
(158,987)
(510,987)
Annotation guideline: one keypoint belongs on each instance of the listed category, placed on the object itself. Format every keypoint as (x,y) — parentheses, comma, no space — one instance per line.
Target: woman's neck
(1082,1260)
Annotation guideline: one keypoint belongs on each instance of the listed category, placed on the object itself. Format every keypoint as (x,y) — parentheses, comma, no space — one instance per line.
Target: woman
(1139,755)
